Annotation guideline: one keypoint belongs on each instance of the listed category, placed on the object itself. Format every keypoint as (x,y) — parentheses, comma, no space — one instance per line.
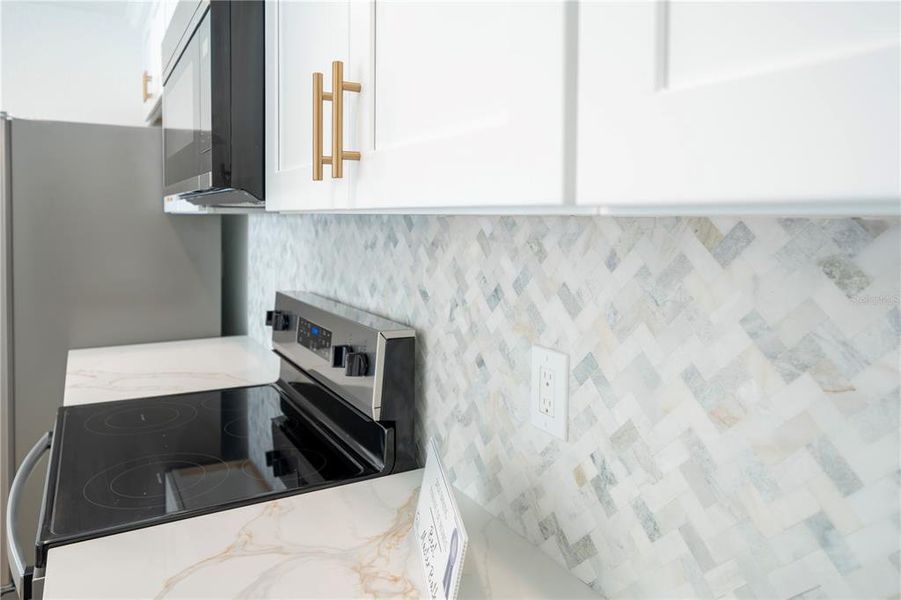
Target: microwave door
(186,121)
(204,96)
(213,108)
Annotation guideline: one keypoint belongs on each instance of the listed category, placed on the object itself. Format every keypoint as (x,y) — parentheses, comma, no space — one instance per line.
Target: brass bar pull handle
(318,98)
(336,97)
(339,86)
(145,82)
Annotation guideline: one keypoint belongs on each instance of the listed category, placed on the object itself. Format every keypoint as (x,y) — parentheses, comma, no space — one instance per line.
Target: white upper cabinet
(463,104)
(151,59)
(782,106)
(155,16)
(521,106)
(301,38)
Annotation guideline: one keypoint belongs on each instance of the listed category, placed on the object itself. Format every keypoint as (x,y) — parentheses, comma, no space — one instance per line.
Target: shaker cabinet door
(463,104)
(301,38)
(151,61)
(794,103)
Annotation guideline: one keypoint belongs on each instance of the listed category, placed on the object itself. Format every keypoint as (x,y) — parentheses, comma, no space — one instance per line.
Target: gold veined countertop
(350,541)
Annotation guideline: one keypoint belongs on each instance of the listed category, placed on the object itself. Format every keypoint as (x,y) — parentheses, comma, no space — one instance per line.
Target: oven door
(187,118)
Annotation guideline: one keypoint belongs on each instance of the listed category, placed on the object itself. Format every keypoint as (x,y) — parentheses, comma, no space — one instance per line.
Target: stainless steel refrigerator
(87,258)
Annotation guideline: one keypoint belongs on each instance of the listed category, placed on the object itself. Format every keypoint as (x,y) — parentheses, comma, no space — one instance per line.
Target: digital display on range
(314,337)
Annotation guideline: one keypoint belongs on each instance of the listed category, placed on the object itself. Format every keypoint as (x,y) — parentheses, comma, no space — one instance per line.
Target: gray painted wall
(96,262)
(234,275)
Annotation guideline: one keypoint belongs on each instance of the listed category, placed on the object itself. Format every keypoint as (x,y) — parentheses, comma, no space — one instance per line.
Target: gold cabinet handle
(319,97)
(339,86)
(146,78)
(336,97)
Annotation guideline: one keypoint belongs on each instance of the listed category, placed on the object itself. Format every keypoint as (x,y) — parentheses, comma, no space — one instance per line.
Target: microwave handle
(20,571)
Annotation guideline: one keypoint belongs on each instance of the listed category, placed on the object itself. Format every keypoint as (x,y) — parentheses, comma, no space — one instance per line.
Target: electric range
(341,411)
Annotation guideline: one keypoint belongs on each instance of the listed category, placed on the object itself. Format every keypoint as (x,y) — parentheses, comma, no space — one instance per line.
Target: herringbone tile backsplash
(734,396)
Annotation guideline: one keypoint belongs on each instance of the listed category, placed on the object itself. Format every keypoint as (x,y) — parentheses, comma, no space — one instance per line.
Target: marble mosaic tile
(734,394)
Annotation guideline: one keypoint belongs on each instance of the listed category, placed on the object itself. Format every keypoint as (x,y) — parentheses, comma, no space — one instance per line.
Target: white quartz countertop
(350,541)
(144,370)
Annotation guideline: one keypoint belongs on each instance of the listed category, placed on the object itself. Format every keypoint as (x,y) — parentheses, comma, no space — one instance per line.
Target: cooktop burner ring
(131,470)
(151,417)
(229,428)
(214,403)
(108,488)
(249,468)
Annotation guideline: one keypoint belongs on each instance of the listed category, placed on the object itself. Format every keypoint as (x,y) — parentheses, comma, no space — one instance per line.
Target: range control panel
(341,347)
(314,337)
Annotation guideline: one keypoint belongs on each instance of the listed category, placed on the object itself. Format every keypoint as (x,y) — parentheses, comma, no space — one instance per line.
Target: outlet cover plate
(549,408)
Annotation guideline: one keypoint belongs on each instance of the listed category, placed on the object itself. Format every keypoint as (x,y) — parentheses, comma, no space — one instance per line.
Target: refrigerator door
(95,262)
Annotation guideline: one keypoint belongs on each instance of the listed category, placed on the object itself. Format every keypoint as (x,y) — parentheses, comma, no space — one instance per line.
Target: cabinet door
(462,103)
(301,38)
(739,102)
(151,77)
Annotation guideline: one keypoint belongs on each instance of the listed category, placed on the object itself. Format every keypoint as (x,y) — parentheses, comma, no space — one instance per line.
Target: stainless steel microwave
(214,105)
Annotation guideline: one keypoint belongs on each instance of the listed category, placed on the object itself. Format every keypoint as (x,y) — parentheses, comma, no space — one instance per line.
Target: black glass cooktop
(122,464)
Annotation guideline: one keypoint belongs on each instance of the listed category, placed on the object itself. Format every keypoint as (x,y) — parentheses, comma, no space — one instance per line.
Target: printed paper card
(439,530)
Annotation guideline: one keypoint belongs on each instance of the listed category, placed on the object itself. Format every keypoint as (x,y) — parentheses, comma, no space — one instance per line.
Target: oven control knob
(278,320)
(357,364)
(339,355)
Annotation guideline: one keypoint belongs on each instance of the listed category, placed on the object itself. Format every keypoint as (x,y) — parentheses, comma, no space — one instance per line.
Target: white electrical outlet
(546,389)
(550,391)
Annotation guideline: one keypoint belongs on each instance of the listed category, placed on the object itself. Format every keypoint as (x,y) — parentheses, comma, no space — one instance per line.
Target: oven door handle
(20,571)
